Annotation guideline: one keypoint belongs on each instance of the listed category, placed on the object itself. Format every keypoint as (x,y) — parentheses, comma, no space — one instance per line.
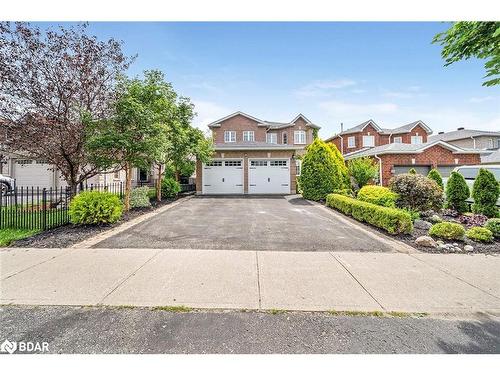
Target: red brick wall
(434,156)
(406,137)
(239,123)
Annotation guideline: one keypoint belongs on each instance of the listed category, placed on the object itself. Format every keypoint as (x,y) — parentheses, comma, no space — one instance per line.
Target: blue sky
(331,72)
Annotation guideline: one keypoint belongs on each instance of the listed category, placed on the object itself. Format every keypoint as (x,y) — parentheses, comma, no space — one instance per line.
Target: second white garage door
(34,173)
(223,177)
(269,176)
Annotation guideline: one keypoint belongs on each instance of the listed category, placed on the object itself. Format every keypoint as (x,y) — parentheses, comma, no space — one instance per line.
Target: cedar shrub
(457,192)
(436,176)
(485,193)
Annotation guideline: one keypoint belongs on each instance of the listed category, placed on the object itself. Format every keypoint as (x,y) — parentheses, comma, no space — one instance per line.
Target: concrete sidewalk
(252,279)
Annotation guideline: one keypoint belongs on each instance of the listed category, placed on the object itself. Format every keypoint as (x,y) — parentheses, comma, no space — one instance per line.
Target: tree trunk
(177,175)
(128,185)
(158,183)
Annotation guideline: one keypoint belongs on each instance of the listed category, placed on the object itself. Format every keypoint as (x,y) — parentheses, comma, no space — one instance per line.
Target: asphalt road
(141,330)
(284,223)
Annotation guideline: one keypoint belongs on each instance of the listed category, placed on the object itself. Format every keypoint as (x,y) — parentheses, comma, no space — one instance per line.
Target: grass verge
(7,236)
(173,308)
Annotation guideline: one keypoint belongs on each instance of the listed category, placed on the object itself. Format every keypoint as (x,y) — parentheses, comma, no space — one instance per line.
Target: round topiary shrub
(94,207)
(323,171)
(447,230)
(416,192)
(139,197)
(494,226)
(378,195)
(479,234)
(170,187)
(436,176)
(457,192)
(485,193)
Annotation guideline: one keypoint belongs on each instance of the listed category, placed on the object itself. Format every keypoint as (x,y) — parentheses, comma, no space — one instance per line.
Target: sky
(339,72)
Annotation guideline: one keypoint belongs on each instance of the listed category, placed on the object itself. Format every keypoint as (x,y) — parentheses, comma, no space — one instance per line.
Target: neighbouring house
(254,156)
(470,138)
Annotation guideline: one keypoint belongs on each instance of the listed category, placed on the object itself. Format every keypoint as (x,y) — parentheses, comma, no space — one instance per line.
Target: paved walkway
(251,279)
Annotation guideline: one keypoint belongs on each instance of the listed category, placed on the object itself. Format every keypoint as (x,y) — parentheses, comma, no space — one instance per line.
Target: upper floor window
(248,136)
(490,143)
(229,136)
(351,142)
(285,138)
(368,141)
(398,140)
(272,138)
(299,137)
(416,139)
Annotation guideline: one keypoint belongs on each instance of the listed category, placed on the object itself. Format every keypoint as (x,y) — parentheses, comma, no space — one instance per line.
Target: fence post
(44,209)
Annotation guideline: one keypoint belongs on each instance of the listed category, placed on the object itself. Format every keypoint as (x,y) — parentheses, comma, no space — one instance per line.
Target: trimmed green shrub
(346,192)
(95,207)
(378,195)
(139,197)
(392,220)
(494,226)
(412,171)
(447,230)
(479,234)
(436,176)
(415,215)
(362,170)
(485,193)
(169,187)
(457,192)
(323,171)
(416,192)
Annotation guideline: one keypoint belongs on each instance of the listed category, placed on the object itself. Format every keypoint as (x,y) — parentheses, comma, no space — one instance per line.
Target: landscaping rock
(468,248)
(435,219)
(422,224)
(425,241)
(440,242)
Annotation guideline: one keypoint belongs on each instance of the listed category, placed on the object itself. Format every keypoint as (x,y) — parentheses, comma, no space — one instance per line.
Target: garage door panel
(269,176)
(33,173)
(223,177)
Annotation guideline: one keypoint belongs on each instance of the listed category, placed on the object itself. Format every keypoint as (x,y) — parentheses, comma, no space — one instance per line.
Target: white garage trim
(264,178)
(223,176)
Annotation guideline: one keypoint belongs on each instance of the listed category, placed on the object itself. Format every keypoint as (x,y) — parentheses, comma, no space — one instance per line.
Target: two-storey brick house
(254,156)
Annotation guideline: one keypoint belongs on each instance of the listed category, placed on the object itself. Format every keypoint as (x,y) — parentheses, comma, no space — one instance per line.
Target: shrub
(346,192)
(323,171)
(415,215)
(479,234)
(436,176)
(485,193)
(457,192)
(94,207)
(390,219)
(139,197)
(412,171)
(416,192)
(169,187)
(447,230)
(362,171)
(494,226)
(378,195)
(473,220)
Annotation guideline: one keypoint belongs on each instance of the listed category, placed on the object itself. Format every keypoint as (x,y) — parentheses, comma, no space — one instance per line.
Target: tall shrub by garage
(323,171)
(416,192)
(436,176)
(485,193)
(457,192)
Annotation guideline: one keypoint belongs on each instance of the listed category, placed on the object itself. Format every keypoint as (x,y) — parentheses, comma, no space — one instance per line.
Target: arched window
(285,138)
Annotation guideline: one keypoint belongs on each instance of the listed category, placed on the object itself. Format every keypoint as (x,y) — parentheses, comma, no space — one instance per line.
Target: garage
(28,172)
(269,176)
(223,177)
(421,169)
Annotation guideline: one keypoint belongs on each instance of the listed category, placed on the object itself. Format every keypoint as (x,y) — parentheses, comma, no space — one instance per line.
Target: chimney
(341,127)
(441,133)
(461,128)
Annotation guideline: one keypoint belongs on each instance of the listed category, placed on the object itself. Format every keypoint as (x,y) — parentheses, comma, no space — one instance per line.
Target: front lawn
(7,236)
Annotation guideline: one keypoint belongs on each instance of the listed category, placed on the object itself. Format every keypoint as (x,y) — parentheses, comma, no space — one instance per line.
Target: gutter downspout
(341,144)
(379,169)
(474,141)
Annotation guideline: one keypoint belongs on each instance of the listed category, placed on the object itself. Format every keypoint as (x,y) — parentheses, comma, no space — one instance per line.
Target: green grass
(7,236)
(276,311)
(180,308)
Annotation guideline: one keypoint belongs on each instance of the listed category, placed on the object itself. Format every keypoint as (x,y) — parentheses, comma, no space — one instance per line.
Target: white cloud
(208,112)
(359,110)
(321,88)
(481,99)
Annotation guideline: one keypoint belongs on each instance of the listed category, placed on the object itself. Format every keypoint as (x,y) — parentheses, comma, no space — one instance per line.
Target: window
(24,161)
(416,139)
(285,138)
(398,140)
(490,143)
(278,163)
(233,163)
(298,165)
(368,141)
(469,173)
(351,142)
(143,175)
(299,137)
(229,136)
(248,136)
(258,163)
(271,138)
(116,175)
(215,163)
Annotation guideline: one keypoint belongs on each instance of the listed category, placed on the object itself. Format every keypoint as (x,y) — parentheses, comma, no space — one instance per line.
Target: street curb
(88,243)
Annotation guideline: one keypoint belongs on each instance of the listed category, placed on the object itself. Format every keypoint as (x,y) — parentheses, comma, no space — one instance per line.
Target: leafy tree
(315,133)
(436,176)
(362,170)
(467,39)
(323,171)
(457,192)
(136,136)
(54,83)
(485,193)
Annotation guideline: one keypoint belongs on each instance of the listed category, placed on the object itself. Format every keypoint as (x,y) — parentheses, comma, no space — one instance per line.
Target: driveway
(284,223)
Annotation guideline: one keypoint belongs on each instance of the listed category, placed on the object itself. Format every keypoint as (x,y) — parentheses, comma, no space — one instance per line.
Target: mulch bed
(69,234)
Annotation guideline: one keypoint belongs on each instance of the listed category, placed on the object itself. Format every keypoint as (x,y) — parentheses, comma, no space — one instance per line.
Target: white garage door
(223,177)
(267,176)
(33,173)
